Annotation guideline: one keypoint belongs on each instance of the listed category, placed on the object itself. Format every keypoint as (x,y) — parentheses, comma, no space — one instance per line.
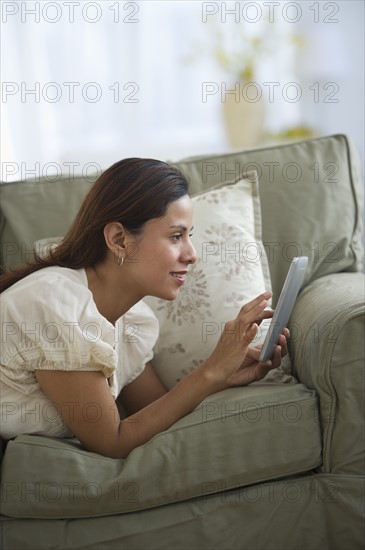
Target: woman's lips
(179,276)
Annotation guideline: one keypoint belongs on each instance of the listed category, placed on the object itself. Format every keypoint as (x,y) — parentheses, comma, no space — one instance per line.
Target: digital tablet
(289,293)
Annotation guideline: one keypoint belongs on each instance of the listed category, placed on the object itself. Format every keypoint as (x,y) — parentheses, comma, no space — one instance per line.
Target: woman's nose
(191,254)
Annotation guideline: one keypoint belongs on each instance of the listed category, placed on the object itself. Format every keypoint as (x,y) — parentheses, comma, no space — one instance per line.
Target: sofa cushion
(311,201)
(234,438)
(308,512)
(231,269)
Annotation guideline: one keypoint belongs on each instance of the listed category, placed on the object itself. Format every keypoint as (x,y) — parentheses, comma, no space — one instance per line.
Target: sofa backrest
(33,210)
(310,195)
(311,201)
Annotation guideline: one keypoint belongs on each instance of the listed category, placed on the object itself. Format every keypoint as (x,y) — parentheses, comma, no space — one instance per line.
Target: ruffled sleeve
(53,324)
(137,332)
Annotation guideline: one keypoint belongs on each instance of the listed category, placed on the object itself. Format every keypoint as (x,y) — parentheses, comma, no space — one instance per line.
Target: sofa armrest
(327,351)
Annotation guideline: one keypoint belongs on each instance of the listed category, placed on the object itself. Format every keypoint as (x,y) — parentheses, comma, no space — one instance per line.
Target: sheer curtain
(86,83)
(111,83)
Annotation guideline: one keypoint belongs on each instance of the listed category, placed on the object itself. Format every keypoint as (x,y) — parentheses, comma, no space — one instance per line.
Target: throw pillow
(43,246)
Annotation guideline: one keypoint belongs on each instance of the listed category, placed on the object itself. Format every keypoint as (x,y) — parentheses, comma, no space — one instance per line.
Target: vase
(244,115)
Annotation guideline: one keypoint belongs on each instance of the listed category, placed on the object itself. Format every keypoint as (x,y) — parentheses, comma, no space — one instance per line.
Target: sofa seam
(199,158)
(183,498)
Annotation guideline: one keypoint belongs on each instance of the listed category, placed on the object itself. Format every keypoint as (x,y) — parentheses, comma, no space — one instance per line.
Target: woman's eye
(179,236)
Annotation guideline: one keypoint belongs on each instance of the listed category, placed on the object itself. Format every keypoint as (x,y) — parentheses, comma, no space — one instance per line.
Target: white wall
(337,55)
(160,110)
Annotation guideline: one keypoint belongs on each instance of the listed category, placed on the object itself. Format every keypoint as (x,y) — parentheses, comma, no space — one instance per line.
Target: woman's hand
(232,347)
(252,370)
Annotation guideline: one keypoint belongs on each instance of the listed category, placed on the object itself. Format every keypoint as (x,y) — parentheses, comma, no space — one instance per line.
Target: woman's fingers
(265,314)
(276,358)
(250,333)
(251,315)
(255,303)
(254,311)
(254,352)
(283,344)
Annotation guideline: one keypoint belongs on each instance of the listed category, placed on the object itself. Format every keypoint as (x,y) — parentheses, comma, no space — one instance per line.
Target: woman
(62,365)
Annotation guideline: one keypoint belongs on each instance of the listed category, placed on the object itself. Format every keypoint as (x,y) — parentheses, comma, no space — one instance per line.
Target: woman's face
(159,258)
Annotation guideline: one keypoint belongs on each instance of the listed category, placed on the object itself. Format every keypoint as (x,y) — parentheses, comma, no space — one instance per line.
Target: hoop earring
(120,261)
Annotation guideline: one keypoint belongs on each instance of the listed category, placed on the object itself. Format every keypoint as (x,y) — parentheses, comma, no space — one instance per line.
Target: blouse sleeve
(58,327)
(137,333)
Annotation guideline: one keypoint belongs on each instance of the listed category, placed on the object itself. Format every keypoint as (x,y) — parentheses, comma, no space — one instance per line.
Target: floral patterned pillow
(231,269)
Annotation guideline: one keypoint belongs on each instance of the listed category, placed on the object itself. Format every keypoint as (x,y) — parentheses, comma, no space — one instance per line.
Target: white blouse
(50,321)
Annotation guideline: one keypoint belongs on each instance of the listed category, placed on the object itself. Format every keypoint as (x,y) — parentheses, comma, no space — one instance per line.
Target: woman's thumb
(251,332)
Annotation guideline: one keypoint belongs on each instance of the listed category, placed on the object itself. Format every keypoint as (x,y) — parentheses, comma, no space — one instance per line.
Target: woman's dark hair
(132,191)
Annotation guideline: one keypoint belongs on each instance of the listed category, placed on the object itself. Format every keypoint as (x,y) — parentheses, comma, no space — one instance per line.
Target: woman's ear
(115,239)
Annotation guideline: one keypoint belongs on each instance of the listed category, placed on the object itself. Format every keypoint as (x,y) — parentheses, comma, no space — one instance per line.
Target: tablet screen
(289,293)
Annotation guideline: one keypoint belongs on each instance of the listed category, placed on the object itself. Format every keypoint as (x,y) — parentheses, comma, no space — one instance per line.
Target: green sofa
(270,466)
